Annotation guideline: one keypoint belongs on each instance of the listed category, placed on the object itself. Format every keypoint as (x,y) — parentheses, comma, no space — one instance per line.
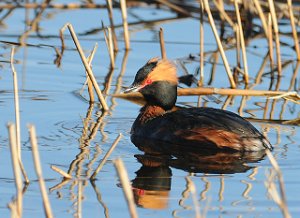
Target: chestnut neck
(148,112)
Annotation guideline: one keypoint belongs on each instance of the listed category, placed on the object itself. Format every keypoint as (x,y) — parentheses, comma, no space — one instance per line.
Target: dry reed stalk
(16,99)
(219,43)
(89,81)
(228,100)
(162,44)
(109,44)
(16,167)
(201,80)
(282,201)
(238,45)
(261,16)
(79,199)
(242,40)
(38,169)
(261,70)
(295,34)
(17,114)
(125,24)
(63,183)
(294,77)
(223,13)
(276,33)
(192,190)
(13,209)
(55,6)
(270,41)
(61,172)
(87,67)
(106,156)
(215,91)
(126,186)
(112,26)
(284,95)
(111,48)
(214,59)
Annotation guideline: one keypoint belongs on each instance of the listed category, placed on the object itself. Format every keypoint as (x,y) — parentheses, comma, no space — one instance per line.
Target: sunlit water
(49,99)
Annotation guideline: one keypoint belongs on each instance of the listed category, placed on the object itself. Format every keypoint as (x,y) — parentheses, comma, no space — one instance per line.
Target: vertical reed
(214,29)
(270,42)
(112,26)
(109,43)
(16,167)
(89,81)
(17,114)
(87,67)
(294,30)
(127,189)
(17,105)
(242,40)
(261,16)
(125,24)
(38,170)
(238,46)
(162,44)
(276,33)
(201,80)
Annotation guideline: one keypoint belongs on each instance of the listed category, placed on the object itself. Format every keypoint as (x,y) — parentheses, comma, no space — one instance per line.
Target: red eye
(148,81)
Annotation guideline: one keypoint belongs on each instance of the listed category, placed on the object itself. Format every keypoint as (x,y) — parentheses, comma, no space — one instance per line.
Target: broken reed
(125,24)
(16,99)
(38,170)
(109,44)
(162,44)
(86,65)
(17,114)
(16,168)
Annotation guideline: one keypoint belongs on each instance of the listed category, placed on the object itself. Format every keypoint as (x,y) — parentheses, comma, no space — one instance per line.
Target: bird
(160,128)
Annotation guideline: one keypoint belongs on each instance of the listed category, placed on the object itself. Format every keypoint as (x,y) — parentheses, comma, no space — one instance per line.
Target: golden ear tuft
(164,71)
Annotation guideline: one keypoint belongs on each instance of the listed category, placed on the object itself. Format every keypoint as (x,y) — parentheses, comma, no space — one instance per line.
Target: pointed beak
(133,88)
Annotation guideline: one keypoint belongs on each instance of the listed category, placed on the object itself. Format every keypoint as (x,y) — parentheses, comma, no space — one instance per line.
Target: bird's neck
(149,112)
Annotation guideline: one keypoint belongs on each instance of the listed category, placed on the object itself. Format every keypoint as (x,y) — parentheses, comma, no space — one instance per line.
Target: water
(64,120)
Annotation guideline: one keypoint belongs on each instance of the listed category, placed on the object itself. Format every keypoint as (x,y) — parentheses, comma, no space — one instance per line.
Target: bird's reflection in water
(152,184)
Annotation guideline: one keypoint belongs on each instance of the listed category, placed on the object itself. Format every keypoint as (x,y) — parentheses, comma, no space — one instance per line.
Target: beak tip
(130,89)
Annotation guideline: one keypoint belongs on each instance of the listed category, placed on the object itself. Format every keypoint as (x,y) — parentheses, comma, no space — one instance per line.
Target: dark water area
(75,135)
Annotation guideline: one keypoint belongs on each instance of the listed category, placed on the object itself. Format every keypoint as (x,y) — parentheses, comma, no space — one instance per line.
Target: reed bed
(214,13)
